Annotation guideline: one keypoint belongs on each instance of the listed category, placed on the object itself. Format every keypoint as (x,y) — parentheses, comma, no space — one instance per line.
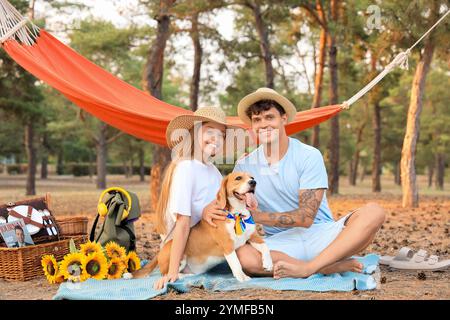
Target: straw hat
(265,94)
(205,114)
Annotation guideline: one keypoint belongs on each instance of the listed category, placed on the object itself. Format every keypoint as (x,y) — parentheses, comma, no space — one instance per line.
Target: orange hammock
(112,100)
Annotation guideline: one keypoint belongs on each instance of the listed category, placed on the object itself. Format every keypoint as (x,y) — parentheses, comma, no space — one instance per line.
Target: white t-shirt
(194,186)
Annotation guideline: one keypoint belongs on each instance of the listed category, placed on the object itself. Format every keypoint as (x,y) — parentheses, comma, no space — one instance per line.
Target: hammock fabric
(112,100)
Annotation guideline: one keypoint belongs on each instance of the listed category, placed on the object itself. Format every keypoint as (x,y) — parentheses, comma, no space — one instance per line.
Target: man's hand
(213,211)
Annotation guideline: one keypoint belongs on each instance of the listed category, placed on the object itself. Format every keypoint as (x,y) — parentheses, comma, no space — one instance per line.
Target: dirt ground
(426,227)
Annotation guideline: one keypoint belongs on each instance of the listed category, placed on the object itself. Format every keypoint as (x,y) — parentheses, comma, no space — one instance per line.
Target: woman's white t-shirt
(194,186)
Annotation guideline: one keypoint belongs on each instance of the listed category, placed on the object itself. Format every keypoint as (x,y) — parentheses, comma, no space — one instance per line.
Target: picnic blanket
(219,279)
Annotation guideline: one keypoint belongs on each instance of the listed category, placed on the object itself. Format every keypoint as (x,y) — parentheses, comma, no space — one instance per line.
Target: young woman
(191,180)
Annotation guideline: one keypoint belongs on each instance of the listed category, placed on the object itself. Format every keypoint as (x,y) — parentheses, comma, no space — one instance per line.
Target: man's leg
(251,260)
(359,232)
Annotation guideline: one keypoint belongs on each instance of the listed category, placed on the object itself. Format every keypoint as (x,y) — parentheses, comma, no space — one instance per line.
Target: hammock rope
(13,24)
(114,101)
(401,60)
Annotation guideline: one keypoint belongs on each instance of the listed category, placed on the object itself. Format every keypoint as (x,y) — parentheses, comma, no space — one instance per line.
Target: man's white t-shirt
(194,186)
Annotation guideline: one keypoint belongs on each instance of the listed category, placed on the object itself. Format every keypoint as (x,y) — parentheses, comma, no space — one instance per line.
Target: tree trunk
(198,53)
(353,174)
(354,168)
(91,166)
(318,78)
(333,95)
(397,178)
(44,167)
(376,162)
(130,168)
(29,137)
(374,98)
(141,165)
(153,79)
(350,171)
(264,44)
(355,160)
(408,171)
(440,171)
(430,172)
(363,174)
(101,147)
(31,156)
(125,169)
(60,162)
(44,160)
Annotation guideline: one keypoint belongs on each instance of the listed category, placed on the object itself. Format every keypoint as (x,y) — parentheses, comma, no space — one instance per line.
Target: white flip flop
(406,260)
(404,254)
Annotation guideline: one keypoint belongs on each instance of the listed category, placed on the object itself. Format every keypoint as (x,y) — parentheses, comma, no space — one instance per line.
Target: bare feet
(352,265)
(299,269)
(302,269)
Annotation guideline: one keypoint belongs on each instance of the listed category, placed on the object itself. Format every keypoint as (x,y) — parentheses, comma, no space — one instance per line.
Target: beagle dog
(207,246)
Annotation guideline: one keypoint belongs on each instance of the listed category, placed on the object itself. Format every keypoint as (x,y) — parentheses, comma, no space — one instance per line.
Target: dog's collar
(240,223)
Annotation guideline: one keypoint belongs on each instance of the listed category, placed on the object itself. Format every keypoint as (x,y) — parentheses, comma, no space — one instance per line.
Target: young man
(291,192)
(20,236)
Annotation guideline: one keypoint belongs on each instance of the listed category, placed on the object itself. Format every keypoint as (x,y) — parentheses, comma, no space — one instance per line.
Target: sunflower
(113,250)
(132,262)
(59,277)
(116,267)
(90,247)
(95,266)
(71,266)
(50,267)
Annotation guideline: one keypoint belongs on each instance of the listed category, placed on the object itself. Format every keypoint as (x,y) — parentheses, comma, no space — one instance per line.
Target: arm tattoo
(285,220)
(309,203)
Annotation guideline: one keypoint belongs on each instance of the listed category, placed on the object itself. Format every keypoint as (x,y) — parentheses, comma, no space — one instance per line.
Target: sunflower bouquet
(91,261)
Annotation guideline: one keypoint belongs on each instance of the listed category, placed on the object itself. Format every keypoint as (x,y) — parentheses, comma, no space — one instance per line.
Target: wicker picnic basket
(23,264)
(72,226)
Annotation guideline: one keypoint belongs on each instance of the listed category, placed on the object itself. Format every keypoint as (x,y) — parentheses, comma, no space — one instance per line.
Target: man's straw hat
(265,94)
(205,114)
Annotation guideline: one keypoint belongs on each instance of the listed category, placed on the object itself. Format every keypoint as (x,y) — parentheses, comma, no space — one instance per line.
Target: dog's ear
(222,193)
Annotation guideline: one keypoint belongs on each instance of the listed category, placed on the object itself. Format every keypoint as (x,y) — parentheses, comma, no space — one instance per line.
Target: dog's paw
(241,277)
(267,263)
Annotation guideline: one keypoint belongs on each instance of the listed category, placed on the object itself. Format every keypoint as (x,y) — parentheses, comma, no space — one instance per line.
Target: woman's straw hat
(205,114)
(265,94)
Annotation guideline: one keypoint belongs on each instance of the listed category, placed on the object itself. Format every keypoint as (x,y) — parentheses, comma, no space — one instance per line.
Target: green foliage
(124,51)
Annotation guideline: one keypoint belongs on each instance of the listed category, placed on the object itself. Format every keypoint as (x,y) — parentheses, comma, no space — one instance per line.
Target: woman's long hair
(161,207)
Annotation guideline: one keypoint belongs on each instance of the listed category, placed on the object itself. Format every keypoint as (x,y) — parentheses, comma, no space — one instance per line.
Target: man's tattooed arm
(308,205)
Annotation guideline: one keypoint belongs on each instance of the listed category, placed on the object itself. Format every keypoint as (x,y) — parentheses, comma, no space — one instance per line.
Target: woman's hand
(213,211)
(159,284)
